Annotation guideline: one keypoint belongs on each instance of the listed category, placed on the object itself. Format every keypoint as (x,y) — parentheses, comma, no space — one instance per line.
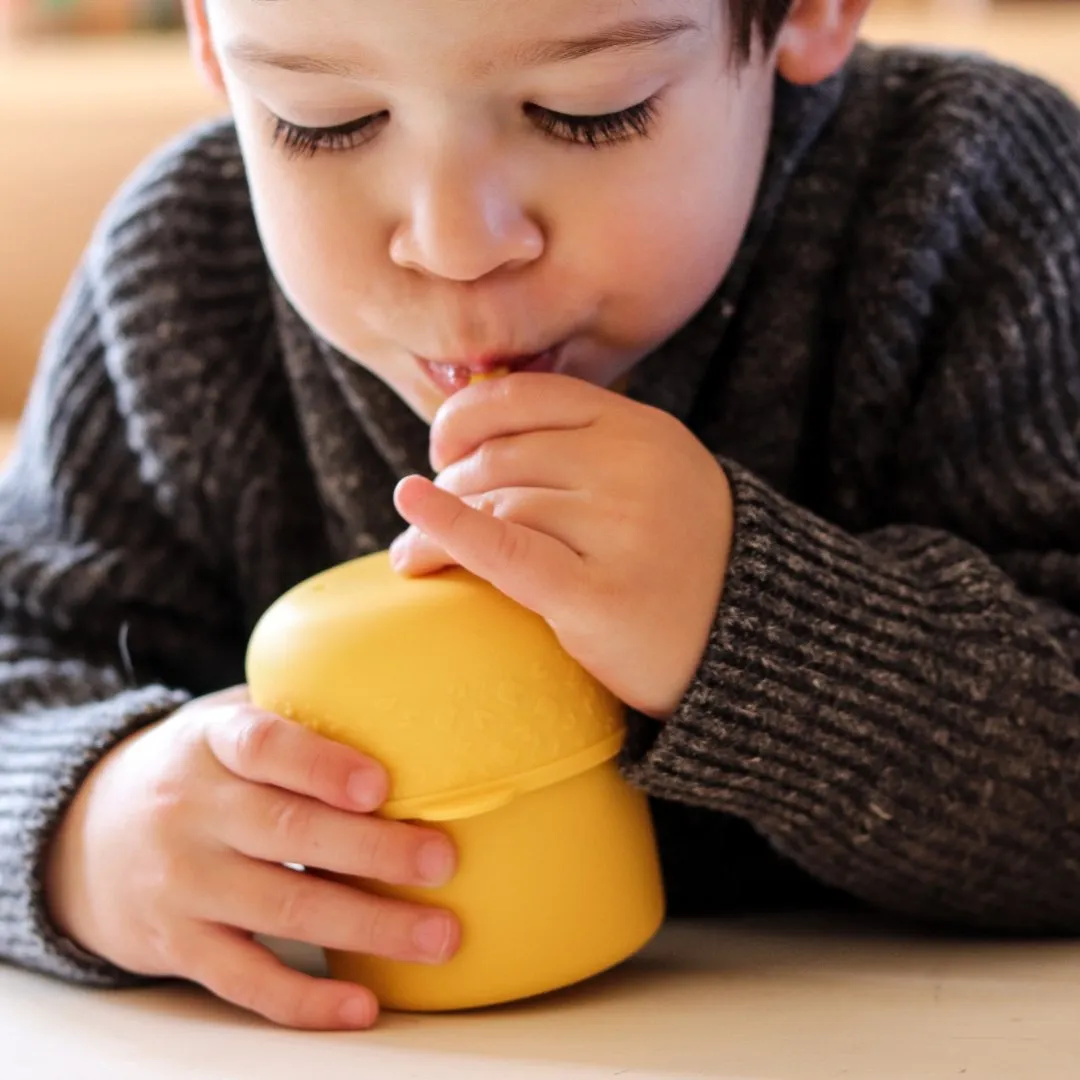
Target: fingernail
(432,936)
(435,861)
(366,789)
(356,1013)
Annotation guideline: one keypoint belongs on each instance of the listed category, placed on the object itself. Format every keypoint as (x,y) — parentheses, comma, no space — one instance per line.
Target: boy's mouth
(450,376)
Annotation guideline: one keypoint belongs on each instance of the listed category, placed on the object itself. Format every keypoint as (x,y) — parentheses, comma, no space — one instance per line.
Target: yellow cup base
(558,886)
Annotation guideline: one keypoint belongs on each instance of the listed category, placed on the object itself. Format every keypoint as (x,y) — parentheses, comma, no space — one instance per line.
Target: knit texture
(889,705)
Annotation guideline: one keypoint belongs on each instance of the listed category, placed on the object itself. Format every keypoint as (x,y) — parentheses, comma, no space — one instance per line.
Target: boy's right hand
(171,857)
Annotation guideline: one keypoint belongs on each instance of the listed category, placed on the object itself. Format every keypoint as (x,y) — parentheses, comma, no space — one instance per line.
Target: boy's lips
(450,376)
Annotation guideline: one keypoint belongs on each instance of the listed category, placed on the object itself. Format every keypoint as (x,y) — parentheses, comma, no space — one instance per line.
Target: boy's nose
(462,224)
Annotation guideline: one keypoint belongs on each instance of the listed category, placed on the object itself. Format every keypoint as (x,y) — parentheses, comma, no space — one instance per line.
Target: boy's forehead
(354,37)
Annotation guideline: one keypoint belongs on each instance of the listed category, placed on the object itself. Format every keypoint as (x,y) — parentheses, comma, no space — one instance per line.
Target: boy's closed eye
(576,74)
(593,131)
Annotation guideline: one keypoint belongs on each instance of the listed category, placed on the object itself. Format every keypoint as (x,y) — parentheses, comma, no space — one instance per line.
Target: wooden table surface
(744,999)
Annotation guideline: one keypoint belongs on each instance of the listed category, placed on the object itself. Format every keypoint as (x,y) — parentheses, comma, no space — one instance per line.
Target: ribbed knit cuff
(817,680)
(60,747)
(890,712)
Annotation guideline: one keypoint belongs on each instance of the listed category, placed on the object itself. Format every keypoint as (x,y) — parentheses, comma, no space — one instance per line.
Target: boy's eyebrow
(636,33)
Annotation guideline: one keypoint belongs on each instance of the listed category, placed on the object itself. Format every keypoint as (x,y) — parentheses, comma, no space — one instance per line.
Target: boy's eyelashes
(607,129)
(299,141)
(595,131)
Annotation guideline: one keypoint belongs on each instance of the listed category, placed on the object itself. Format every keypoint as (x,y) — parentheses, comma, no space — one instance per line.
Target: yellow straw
(484,376)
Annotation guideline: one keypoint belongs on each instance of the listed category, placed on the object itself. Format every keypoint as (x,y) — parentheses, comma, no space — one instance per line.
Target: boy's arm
(103,612)
(892,712)
(898,712)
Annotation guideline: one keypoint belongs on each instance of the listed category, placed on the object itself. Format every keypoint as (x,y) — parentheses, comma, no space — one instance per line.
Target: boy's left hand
(606,517)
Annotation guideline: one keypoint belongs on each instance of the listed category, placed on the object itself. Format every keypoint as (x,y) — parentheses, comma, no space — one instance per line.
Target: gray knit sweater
(889,706)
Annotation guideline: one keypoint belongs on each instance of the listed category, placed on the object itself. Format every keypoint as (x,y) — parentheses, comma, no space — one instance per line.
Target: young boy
(824,543)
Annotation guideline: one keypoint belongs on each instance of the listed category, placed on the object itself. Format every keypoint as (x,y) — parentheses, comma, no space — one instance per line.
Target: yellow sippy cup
(490,729)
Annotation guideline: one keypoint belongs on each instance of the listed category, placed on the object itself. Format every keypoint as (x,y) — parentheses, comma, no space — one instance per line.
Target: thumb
(526,565)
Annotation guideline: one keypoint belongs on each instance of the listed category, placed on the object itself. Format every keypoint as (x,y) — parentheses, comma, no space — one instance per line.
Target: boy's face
(458,211)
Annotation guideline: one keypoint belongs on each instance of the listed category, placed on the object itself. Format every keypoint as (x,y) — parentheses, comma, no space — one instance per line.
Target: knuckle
(511,548)
(371,847)
(268,999)
(384,932)
(487,459)
(377,850)
(174,806)
(167,950)
(457,514)
(291,819)
(258,995)
(294,913)
(168,798)
(162,873)
(321,768)
(236,978)
(252,736)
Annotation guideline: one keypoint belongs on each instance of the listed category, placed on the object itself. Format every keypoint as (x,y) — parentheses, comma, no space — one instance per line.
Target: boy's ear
(817,38)
(202,48)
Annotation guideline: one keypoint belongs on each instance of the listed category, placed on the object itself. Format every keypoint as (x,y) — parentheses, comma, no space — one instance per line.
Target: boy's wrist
(65,865)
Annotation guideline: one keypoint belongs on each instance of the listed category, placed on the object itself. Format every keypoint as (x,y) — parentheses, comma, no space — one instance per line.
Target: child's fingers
(528,566)
(564,516)
(510,406)
(244,972)
(547,458)
(282,827)
(268,749)
(415,554)
(262,899)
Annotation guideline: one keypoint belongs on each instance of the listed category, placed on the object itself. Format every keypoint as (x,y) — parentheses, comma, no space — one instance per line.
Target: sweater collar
(671,377)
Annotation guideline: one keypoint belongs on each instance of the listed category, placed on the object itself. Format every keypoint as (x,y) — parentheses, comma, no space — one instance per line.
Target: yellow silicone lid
(465,696)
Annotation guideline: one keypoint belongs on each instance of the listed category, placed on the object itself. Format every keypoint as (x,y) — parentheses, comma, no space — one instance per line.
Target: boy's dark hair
(760,19)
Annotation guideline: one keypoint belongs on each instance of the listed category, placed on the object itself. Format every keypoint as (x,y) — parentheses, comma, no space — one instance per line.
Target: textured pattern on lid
(446,681)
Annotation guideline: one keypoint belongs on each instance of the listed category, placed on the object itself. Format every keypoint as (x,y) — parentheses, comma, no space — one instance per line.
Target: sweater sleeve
(897,710)
(104,614)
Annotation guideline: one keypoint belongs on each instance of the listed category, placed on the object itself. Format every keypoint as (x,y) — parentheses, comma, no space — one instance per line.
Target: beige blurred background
(77,113)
